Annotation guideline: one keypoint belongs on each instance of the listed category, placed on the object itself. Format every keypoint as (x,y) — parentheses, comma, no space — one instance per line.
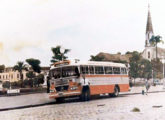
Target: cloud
(20,45)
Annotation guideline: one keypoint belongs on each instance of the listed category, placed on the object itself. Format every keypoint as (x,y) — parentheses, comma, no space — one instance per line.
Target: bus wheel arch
(85,93)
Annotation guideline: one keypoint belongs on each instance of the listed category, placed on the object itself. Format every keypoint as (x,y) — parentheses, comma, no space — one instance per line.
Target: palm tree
(57,55)
(20,66)
(155,40)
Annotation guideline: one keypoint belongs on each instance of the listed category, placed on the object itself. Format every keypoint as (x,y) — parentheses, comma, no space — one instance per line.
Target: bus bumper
(64,94)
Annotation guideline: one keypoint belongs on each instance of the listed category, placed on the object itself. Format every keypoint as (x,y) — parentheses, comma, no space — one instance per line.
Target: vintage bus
(84,79)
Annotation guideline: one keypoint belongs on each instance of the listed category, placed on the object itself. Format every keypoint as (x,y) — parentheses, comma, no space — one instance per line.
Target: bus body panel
(98,83)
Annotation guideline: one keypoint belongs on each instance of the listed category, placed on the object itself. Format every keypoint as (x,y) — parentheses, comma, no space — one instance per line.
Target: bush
(6,84)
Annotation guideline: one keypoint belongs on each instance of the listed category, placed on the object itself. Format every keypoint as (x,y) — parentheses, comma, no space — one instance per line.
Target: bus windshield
(64,72)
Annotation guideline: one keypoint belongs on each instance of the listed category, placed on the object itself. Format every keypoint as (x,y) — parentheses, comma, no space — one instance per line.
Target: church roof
(149,22)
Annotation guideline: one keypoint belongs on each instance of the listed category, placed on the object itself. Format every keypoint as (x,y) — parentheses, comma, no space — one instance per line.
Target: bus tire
(116,91)
(59,100)
(85,96)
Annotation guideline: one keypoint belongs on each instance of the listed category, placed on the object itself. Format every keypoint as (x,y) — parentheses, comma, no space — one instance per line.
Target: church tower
(149,30)
(149,52)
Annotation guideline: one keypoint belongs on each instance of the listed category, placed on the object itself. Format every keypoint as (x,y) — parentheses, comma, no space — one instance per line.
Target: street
(152,106)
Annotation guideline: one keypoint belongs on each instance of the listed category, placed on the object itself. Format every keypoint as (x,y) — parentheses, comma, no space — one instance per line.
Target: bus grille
(62,82)
(62,88)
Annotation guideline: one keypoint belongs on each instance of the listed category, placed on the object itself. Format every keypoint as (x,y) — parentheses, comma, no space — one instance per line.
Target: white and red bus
(84,79)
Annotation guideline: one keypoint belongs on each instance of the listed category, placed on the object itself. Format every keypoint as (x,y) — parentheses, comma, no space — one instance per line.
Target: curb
(140,93)
(26,106)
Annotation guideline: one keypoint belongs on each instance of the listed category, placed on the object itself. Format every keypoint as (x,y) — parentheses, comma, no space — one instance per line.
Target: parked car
(157,82)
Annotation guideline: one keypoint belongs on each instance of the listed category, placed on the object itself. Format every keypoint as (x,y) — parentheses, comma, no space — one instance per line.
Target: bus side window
(125,70)
(108,70)
(122,71)
(99,70)
(91,69)
(116,70)
(84,69)
(77,72)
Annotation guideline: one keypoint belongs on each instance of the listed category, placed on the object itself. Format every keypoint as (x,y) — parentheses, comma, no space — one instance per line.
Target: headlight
(74,88)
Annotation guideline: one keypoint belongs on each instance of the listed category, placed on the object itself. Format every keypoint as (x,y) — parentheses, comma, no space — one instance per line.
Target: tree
(30,75)
(2,68)
(6,84)
(57,55)
(155,40)
(40,79)
(145,69)
(139,67)
(157,68)
(134,65)
(96,58)
(35,64)
(20,66)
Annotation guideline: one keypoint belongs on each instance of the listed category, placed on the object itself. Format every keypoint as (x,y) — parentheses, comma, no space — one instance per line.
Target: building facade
(13,76)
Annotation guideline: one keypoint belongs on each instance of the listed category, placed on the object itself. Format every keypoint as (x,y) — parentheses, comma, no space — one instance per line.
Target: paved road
(42,98)
(119,108)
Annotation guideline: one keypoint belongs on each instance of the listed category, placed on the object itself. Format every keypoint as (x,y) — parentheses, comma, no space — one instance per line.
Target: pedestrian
(143,90)
(147,86)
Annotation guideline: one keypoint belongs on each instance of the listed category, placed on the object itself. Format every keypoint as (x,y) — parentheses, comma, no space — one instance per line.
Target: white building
(10,75)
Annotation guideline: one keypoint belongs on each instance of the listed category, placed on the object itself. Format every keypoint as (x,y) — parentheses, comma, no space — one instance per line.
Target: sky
(30,28)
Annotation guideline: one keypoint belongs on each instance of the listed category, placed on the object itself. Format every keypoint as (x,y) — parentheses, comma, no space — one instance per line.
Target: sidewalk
(138,90)
(24,100)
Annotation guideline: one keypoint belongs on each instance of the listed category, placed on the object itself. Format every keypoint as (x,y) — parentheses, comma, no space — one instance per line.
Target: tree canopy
(20,66)
(57,55)
(35,64)
(96,58)
(155,40)
(2,68)
(139,67)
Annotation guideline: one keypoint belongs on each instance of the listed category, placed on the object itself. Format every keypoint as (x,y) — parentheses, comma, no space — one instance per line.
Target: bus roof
(78,63)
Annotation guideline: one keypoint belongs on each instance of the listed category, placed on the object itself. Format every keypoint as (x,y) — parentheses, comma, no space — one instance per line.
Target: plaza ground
(152,106)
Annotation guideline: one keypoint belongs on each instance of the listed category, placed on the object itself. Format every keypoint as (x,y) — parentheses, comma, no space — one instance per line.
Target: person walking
(147,86)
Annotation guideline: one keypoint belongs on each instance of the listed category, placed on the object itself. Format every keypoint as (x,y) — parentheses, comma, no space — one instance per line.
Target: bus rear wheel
(85,96)
(116,91)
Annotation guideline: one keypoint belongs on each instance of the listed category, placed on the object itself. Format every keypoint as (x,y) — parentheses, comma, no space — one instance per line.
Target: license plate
(60,94)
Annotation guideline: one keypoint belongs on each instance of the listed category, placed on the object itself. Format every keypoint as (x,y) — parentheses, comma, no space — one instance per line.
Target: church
(150,50)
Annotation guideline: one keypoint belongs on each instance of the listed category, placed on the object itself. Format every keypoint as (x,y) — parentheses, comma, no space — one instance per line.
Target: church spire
(149,29)
(149,22)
